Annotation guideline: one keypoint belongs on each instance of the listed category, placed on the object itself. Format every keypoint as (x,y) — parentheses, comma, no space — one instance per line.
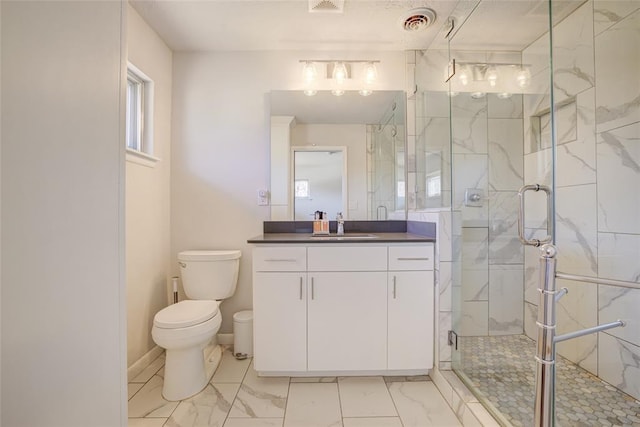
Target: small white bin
(243,334)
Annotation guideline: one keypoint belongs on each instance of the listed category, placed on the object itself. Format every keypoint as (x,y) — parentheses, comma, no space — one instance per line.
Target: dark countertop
(347,238)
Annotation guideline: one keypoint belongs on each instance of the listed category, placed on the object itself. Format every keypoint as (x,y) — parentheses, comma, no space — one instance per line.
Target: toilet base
(187,372)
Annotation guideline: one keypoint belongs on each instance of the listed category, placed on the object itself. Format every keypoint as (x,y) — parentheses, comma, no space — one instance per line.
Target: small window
(135,111)
(139,115)
(302,189)
(433,186)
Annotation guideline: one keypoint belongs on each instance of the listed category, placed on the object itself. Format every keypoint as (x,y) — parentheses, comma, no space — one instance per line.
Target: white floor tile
(230,370)
(372,422)
(146,422)
(148,402)
(254,422)
(313,405)
(365,397)
(314,379)
(420,404)
(133,388)
(261,397)
(149,371)
(208,408)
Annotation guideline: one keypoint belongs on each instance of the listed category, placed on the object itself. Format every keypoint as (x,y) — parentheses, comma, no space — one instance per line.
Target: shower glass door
(501,133)
(547,92)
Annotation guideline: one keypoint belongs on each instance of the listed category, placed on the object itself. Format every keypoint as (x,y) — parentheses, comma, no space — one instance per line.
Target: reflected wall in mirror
(371,130)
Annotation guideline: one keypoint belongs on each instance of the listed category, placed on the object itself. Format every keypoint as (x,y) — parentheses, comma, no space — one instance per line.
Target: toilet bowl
(184,330)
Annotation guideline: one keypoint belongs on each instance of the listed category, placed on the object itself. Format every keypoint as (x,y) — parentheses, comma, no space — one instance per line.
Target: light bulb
(523,77)
(310,92)
(340,72)
(453,93)
(464,76)
(309,72)
(492,76)
(503,95)
(365,92)
(337,92)
(370,73)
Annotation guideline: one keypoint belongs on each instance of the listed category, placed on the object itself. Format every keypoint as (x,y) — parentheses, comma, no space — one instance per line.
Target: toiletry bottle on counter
(340,221)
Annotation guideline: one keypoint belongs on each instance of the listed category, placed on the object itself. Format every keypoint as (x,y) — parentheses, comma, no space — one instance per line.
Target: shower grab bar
(612,282)
(583,332)
(534,242)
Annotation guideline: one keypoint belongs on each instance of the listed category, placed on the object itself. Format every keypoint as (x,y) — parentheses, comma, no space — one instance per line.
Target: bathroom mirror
(370,131)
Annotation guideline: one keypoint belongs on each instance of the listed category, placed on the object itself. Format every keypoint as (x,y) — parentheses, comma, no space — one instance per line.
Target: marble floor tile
(313,405)
(254,422)
(149,371)
(314,379)
(420,404)
(132,389)
(258,397)
(372,422)
(148,402)
(230,369)
(146,422)
(365,397)
(208,408)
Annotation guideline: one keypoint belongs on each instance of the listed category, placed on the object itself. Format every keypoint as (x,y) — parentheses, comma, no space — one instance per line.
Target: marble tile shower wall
(596,64)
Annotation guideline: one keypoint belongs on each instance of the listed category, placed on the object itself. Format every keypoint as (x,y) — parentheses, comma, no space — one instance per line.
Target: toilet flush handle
(182,264)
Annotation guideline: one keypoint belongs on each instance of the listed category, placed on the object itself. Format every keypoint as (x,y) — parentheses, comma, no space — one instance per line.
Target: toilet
(184,329)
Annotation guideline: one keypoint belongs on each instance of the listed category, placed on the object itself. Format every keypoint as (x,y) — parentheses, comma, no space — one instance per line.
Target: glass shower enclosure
(548,95)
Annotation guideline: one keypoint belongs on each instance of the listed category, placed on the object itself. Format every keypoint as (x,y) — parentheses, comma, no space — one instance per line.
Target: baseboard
(139,365)
(225,339)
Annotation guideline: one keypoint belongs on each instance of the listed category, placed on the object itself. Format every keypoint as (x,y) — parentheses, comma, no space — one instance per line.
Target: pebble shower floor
(502,368)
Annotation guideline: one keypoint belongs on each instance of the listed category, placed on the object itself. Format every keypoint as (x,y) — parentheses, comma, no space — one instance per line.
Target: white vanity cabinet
(411,307)
(280,306)
(344,309)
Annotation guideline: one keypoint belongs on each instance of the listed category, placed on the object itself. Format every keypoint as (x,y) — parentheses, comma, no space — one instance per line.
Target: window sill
(141,158)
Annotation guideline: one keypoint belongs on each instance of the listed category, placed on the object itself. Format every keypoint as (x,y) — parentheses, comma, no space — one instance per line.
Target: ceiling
(241,25)
(364,25)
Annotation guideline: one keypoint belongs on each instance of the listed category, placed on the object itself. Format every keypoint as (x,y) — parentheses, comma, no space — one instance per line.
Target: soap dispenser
(340,222)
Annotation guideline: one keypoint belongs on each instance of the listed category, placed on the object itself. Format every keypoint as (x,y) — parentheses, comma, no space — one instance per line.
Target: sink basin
(348,236)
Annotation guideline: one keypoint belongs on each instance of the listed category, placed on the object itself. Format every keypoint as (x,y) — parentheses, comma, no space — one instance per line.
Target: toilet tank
(209,274)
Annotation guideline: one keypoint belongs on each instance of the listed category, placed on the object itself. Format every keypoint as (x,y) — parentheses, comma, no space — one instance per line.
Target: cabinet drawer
(287,258)
(341,258)
(414,257)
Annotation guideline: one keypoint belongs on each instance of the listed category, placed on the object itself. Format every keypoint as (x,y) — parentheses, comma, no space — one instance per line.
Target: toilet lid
(185,313)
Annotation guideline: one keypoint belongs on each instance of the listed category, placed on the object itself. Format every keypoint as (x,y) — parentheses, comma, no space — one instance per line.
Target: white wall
(220,147)
(63,320)
(354,137)
(147,196)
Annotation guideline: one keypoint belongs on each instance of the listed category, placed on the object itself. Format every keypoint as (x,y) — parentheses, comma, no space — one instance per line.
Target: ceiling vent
(326,6)
(418,19)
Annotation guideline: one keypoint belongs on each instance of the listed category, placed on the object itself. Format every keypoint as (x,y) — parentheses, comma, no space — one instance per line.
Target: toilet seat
(186,313)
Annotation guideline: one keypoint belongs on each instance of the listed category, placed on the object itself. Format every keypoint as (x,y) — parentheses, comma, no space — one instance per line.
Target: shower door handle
(546,239)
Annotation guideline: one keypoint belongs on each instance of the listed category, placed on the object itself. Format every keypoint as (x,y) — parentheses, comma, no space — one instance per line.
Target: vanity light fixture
(492,75)
(339,72)
(309,72)
(523,77)
(481,72)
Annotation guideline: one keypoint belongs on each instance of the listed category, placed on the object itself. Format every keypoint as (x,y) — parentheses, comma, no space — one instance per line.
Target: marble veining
(308,402)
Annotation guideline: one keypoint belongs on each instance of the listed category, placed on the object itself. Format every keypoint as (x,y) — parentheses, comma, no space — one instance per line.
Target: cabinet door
(347,321)
(410,320)
(280,321)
